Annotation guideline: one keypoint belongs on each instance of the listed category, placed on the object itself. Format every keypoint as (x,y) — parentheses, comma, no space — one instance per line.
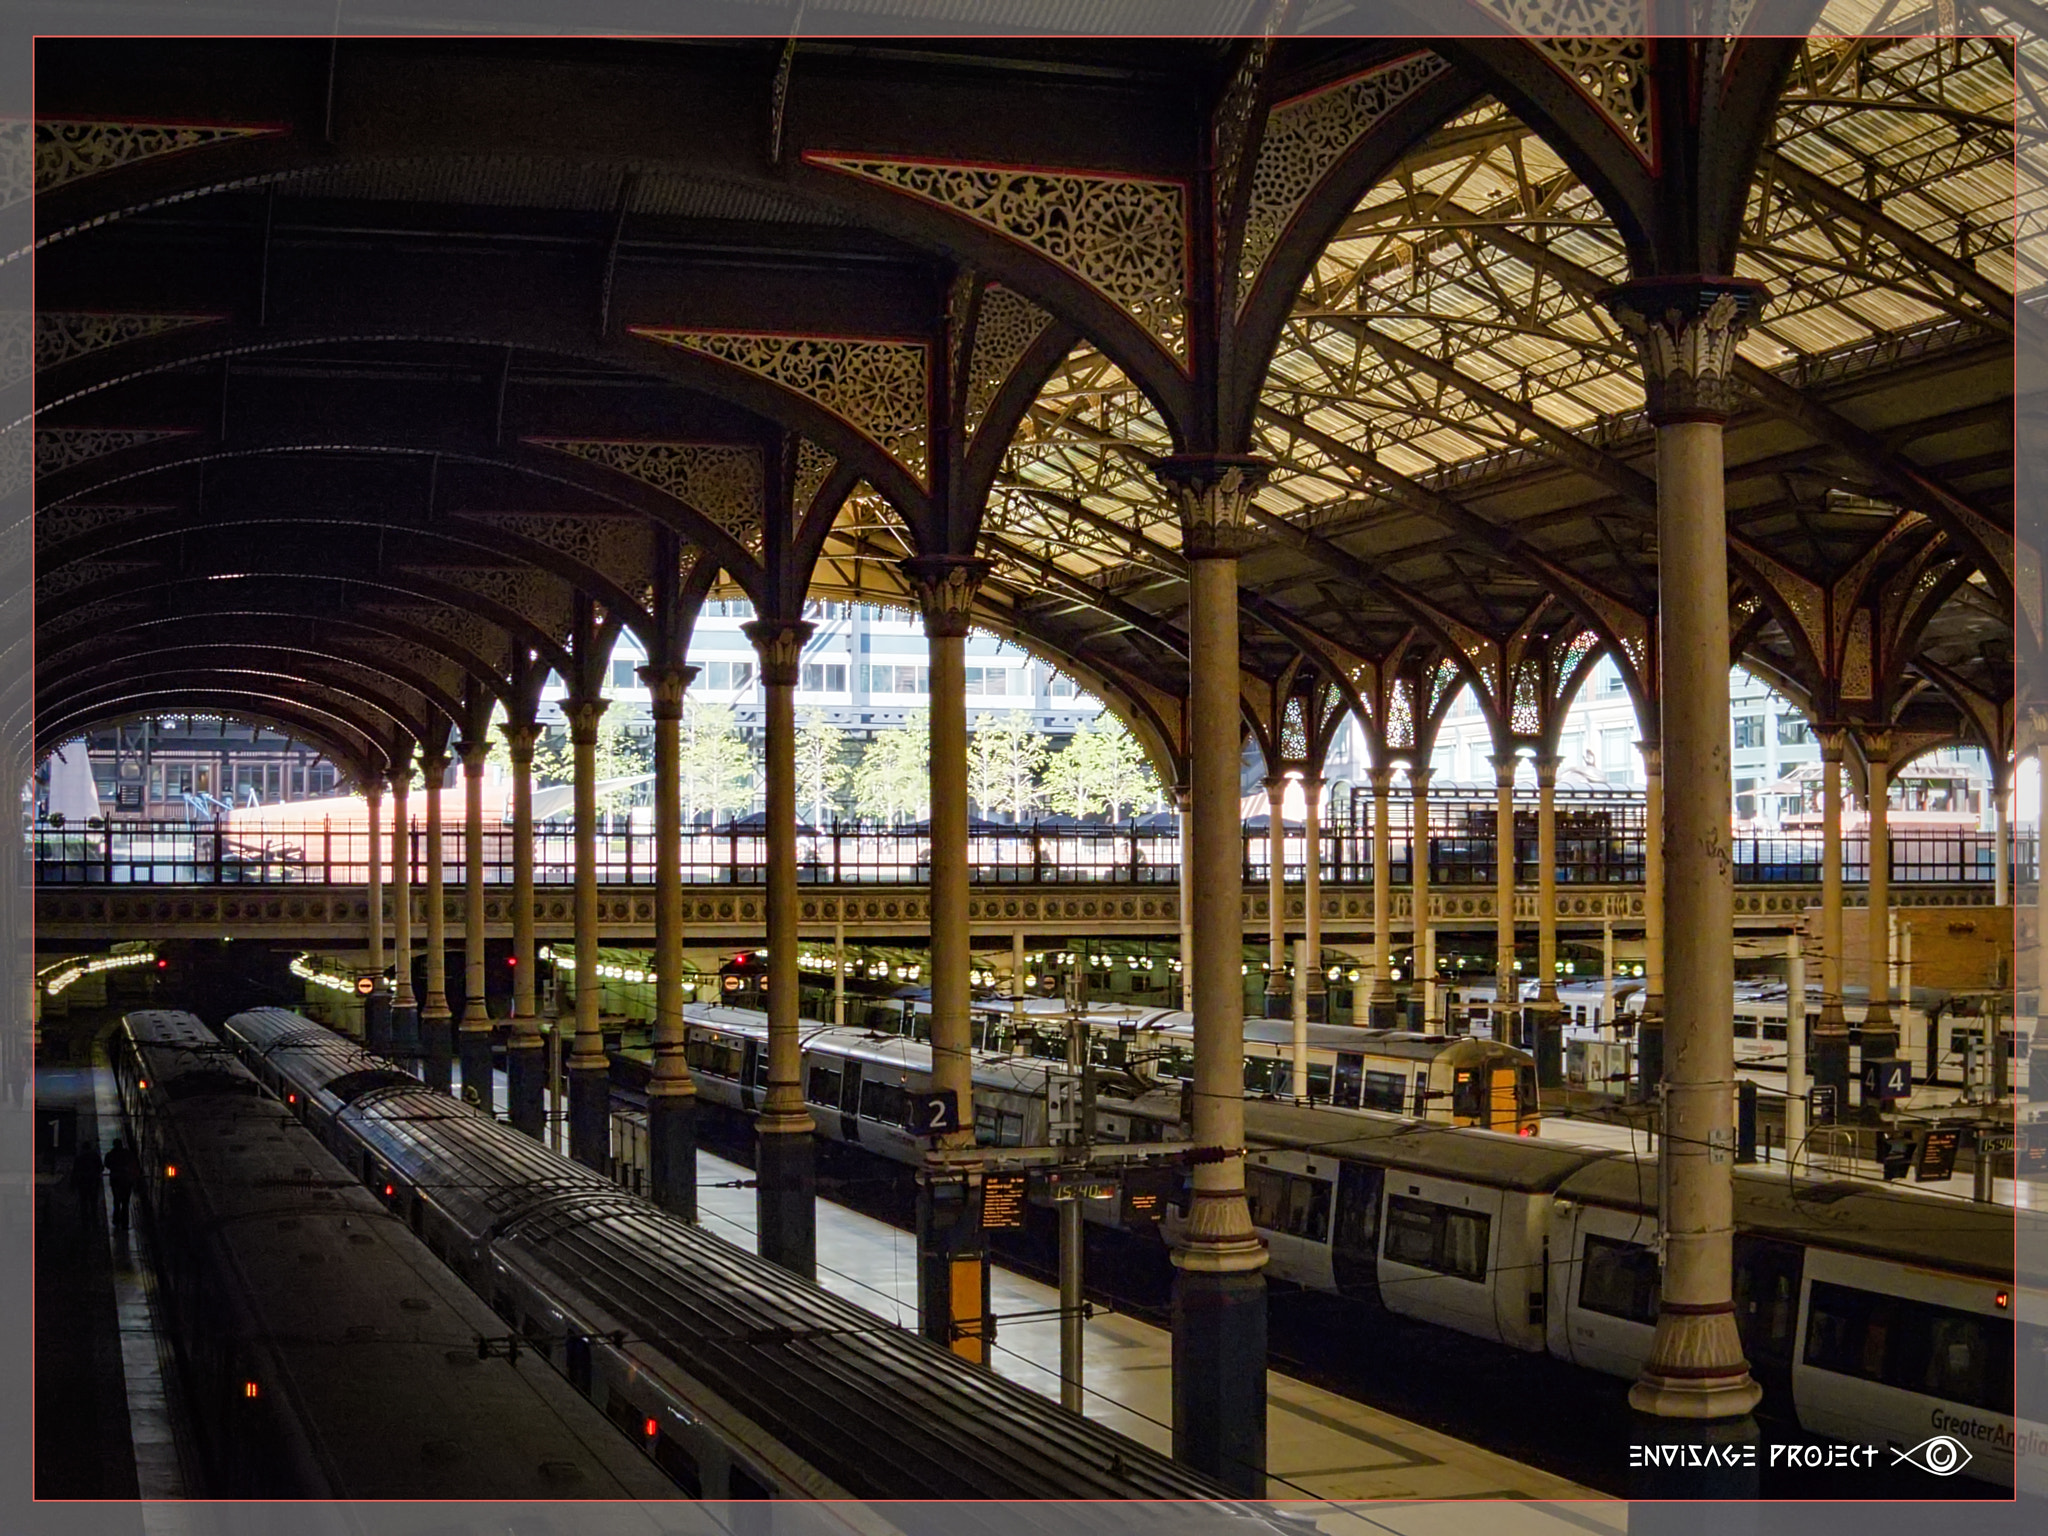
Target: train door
(1767,1276)
(1344,1093)
(1354,1249)
(1501,1112)
(849,1103)
(750,1056)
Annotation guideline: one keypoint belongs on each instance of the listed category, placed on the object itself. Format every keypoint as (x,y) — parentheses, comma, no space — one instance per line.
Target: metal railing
(1462,852)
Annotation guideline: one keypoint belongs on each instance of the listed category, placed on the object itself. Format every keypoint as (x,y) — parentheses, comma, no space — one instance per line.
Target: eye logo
(1943,1455)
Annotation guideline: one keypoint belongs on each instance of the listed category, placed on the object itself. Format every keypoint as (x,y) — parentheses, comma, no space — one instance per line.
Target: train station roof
(368,377)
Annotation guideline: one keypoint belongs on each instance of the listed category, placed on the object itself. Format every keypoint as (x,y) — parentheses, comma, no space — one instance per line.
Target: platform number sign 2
(934,1112)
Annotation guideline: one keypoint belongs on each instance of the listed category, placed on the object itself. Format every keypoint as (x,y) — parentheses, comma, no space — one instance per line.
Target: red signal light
(1527,1130)
(163,965)
(649,1428)
(291,1098)
(170,1170)
(389,1191)
(249,1389)
(511,959)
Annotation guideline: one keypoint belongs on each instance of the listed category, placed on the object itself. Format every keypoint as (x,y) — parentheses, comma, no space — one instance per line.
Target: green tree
(620,755)
(894,780)
(1004,760)
(821,767)
(1101,769)
(717,765)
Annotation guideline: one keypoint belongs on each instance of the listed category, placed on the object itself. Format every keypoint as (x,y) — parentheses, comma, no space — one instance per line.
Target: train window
(1468,1094)
(1318,1081)
(884,1103)
(1265,1191)
(1619,1279)
(1775,1032)
(1308,1208)
(823,1087)
(1350,1070)
(675,1459)
(761,1067)
(1915,1346)
(1261,1076)
(1444,1238)
(1526,1100)
(1385,1090)
(994,1128)
(718,1059)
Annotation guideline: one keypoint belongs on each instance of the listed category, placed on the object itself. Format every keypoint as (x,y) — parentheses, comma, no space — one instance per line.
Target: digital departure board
(1002,1200)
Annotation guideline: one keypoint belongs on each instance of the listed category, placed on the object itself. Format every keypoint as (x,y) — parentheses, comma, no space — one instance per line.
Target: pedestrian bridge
(310,884)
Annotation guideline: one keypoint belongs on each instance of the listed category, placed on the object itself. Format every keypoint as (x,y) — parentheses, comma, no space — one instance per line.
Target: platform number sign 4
(1885,1081)
(935,1112)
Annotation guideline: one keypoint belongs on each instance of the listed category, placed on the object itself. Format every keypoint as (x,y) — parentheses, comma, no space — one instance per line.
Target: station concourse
(1262,386)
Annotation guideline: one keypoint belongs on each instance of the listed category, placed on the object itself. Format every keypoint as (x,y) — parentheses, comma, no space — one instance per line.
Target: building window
(622,675)
(1611,683)
(728,676)
(1060,687)
(824,677)
(882,678)
(1793,731)
(988,682)
(1749,731)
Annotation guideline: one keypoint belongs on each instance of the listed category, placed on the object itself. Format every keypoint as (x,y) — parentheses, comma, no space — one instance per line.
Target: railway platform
(1323,1446)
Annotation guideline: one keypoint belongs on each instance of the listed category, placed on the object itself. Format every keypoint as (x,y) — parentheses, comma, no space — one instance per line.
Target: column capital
(1685,330)
(1547,764)
(583,717)
(1876,745)
(1213,492)
(1504,766)
(521,737)
(780,644)
(946,586)
(434,768)
(373,789)
(1381,780)
(1653,756)
(401,780)
(474,755)
(1834,741)
(666,684)
(1275,783)
(1418,779)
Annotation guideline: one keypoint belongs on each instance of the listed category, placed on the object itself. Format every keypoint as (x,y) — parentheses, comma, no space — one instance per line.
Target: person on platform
(124,1171)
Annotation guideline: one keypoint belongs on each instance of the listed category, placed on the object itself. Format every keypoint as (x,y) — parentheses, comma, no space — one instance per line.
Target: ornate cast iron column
(589,1067)
(952,1254)
(1880,1037)
(671,1095)
(437,1024)
(473,1038)
(1184,809)
(405,1012)
(1507,986)
(526,1084)
(1685,333)
(1219,1291)
(1830,1051)
(1380,1009)
(1308,978)
(786,1189)
(1549,1020)
(1650,1029)
(1278,1000)
(377,1006)
(1421,935)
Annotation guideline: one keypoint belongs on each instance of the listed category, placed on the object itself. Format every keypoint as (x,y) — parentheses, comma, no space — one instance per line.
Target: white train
(1869,1315)
(1442,1079)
